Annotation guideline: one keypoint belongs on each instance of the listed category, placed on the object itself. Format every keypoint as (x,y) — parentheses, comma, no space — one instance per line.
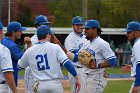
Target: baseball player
(39,20)
(1,32)
(14,31)
(6,76)
(44,60)
(133,34)
(73,42)
(104,57)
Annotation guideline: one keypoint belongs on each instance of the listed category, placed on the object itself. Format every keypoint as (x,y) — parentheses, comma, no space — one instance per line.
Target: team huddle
(85,55)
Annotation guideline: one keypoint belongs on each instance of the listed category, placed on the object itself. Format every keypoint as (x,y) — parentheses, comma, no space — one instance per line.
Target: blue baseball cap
(15,26)
(91,24)
(43,30)
(41,20)
(78,20)
(1,26)
(132,26)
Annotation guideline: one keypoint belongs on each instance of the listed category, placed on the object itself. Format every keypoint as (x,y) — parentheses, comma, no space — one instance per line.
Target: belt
(78,67)
(3,82)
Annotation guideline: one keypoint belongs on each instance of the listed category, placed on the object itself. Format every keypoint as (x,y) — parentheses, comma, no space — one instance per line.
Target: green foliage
(25,18)
(64,11)
(110,13)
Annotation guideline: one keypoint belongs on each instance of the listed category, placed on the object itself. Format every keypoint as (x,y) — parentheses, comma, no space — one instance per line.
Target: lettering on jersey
(81,45)
(91,51)
(41,60)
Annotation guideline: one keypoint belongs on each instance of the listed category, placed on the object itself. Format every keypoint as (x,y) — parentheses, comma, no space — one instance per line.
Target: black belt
(3,82)
(78,67)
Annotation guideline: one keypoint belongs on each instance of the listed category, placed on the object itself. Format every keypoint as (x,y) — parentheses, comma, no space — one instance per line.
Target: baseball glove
(87,59)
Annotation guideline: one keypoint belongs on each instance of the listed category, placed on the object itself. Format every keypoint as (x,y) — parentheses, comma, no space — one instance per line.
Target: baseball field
(114,85)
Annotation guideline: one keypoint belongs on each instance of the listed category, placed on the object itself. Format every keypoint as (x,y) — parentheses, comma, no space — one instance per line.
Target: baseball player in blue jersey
(73,42)
(133,34)
(44,60)
(104,57)
(14,31)
(7,82)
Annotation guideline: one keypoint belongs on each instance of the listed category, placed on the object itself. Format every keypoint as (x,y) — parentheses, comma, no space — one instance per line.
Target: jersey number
(42,62)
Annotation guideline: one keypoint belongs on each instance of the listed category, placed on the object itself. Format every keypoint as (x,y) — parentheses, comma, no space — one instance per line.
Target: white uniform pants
(4,88)
(95,83)
(81,74)
(49,86)
(28,80)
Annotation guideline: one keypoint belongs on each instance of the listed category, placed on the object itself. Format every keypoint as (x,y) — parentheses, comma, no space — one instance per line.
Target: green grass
(21,72)
(64,71)
(118,86)
(109,70)
(115,71)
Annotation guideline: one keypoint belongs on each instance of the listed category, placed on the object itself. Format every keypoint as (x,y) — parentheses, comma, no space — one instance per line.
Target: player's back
(43,60)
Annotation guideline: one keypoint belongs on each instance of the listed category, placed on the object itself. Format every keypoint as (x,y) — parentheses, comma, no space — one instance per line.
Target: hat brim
(22,29)
(78,23)
(46,23)
(85,27)
(126,30)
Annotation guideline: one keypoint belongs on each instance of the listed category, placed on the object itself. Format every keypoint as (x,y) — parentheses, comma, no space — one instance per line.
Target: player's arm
(136,51)
(27,41)
(137,77)
(10,81)
(68,65)
(107,63)
(108,54)
(7,69)
(23,62)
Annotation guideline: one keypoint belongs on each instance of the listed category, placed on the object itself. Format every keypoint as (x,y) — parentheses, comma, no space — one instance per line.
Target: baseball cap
(43,30)
(15,26)
(78,20)
(1,26)
(132,26)
(91,24)
(41,20)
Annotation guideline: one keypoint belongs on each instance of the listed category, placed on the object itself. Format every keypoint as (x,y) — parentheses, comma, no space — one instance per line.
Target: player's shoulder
(70,36)
(8,42)
(136,45)
(102,42)
(3,48)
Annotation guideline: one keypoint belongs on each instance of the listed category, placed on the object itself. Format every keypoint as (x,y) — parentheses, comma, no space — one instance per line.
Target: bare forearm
(10,81)
(105,64)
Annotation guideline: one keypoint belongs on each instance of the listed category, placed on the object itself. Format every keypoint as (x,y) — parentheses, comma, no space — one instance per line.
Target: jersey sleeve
(106,51)
(69,44)
(6,62)
(23,62)
(62,58)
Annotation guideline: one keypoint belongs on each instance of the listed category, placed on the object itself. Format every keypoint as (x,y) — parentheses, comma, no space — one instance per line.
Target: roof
(58,30)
